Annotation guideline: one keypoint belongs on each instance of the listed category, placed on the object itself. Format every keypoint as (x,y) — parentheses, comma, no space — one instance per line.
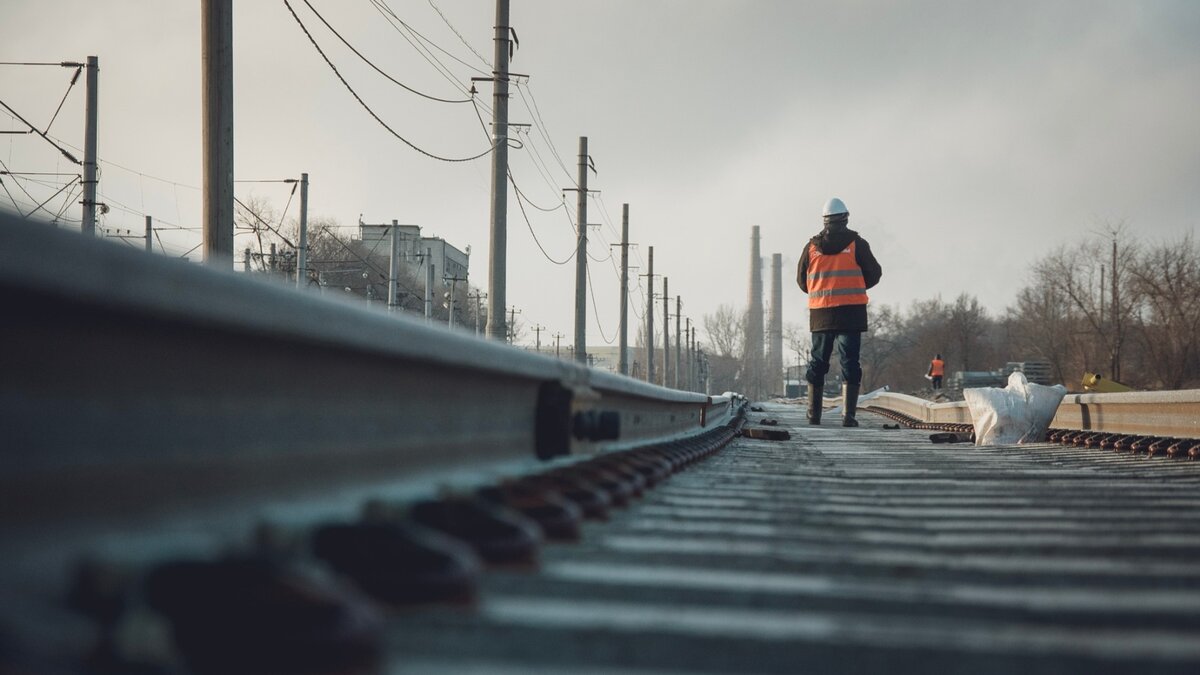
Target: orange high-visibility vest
(835,279)
(937,368)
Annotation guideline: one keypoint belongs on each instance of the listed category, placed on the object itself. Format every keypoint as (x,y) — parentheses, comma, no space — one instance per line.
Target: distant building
(449,262)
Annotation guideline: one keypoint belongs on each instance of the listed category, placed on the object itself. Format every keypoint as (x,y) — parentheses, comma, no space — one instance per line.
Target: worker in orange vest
(937,368)
(835,270)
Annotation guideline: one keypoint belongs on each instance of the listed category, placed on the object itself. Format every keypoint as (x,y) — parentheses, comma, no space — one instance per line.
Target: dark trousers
(848,344)
(937,381)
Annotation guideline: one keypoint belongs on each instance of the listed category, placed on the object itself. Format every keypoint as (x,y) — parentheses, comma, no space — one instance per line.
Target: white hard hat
(834,207)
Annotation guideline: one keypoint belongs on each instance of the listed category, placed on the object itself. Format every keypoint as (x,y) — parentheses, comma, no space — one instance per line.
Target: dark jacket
(847,317)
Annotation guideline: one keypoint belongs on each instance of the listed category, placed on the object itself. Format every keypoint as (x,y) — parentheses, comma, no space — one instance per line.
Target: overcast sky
(964,137)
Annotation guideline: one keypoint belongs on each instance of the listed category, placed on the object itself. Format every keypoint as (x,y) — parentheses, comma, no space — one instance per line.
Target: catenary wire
(368,108)
(39,132)
(377,69)
(522,87)
(485,62)
(411,37)
(596,310)
(520,203)
(385,9)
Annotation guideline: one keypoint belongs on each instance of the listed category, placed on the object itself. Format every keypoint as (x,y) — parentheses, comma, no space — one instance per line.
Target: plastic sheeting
(1019,413)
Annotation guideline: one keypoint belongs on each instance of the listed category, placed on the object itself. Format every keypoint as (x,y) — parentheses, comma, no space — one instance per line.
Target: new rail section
(1155,423)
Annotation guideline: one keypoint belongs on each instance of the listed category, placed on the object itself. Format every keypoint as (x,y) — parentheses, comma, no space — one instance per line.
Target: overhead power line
(521,203)
(383,8)
(460,36)
(368,108)
(377,68)
(596,310)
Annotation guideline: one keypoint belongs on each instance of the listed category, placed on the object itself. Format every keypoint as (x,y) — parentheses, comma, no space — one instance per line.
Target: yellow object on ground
(1096,383)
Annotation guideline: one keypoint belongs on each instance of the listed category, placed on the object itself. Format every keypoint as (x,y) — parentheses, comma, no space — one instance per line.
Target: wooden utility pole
(537,329)
(497,296)
(217,57)
(88,225)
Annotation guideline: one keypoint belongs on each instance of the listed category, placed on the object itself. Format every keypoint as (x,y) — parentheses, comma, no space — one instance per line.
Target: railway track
(208,475)
(1150,423)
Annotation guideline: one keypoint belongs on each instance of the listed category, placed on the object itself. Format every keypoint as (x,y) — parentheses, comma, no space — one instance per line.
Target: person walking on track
(937,368)
(836,269)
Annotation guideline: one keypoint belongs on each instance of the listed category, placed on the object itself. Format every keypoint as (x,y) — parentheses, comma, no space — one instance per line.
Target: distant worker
(836,269)
(937,368)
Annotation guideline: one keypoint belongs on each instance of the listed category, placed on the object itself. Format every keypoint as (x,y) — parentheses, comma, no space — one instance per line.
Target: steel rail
(1173,414)
(152,408)
(124,371)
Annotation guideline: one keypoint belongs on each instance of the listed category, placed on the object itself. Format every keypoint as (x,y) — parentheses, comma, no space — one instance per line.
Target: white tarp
(1018,413)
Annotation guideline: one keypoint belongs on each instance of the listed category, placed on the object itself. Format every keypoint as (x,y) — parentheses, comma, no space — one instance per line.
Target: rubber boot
(814,402)
(849,404)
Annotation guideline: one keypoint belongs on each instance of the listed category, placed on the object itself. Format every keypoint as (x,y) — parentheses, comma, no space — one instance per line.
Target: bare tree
(967,322)
(724,330)
(1167,279)
(1043,323)
(799,341)
(881,355)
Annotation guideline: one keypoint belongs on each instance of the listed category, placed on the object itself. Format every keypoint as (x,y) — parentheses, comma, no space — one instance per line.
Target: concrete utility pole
(537,329)
(666,297)
(650,314)
(429,284)
(217,56)
(149,234)
(89,148)
(557,345)
(393,271)
(450,301)
(512,325)
(687,337)
(695,362)
(581,256)
(1116,318)
(774,377)
(478,296)
(302,250)
(753,364)
(497,296)
(678,344)
(623,344)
